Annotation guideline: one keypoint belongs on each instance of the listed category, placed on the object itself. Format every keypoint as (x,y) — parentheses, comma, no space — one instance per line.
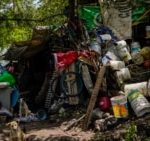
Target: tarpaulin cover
(121,27)
(62,60)
(90,16)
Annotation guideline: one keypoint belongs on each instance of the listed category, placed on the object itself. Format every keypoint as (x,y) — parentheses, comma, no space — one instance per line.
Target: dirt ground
(50,131)
(46,131)
(54,130)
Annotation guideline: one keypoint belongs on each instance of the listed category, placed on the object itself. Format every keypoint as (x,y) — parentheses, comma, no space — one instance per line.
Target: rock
(100,125)
(97,114)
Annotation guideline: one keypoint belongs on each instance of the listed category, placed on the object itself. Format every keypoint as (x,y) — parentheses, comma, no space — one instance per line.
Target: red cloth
(62,60)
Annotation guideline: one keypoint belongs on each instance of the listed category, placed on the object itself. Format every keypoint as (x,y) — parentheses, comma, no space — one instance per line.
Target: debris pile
(101,71)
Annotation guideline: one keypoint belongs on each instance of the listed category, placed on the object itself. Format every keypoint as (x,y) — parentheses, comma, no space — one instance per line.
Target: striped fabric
(50,93)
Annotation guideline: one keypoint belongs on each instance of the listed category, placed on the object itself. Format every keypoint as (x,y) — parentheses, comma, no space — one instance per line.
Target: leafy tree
(18,17)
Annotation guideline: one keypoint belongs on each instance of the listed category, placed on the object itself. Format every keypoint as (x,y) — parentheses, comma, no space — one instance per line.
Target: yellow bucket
(119,105)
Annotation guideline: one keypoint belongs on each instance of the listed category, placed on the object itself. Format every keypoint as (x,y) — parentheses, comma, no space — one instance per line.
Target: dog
(16,134)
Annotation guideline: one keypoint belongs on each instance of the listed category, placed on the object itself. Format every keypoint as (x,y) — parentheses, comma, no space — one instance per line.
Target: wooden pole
(102,10)
(94,97)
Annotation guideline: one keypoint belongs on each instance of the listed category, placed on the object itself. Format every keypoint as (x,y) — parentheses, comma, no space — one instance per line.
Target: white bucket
(123,75)
(123,51)
(143,87)
(139,103)
(117,65)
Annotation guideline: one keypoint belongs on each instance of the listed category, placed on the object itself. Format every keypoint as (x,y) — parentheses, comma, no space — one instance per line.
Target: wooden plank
(74,123)
(94,97)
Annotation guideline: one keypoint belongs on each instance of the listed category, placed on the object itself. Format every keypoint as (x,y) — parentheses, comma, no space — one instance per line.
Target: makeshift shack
(100,62)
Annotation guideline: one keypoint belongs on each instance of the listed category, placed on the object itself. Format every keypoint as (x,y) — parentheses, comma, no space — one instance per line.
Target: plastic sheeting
(90,16)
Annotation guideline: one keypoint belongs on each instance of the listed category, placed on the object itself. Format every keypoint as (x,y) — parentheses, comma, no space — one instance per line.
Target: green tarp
(90,16)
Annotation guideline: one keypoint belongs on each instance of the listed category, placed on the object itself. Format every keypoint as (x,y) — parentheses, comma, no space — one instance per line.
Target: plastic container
(139,103)
(119,105)
(122,51)
(95,46)
(123,75)
(105,37)
(7,77)
(4,85)
(135,48)
(137,58)
(143,87)
(117,65)
(110,55)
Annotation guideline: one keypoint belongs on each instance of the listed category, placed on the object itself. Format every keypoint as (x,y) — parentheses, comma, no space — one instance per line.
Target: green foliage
(18,17)
(131,133)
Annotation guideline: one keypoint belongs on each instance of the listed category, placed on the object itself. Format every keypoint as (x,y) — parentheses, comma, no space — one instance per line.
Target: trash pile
(56,71)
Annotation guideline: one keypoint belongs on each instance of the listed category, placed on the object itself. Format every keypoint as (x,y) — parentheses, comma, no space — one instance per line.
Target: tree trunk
(71,10)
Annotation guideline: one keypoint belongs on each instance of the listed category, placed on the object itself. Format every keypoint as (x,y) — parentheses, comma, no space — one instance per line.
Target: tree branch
(25,19)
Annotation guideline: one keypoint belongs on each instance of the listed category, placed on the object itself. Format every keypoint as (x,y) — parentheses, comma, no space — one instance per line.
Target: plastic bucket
(117,65)
(143,87)
(119,105)
(139,103)
(123,75)
(123,51)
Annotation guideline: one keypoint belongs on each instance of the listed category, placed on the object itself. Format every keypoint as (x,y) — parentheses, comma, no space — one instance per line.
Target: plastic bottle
(135,53)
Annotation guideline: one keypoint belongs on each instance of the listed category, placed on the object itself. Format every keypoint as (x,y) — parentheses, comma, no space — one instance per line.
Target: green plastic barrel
(7,77)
